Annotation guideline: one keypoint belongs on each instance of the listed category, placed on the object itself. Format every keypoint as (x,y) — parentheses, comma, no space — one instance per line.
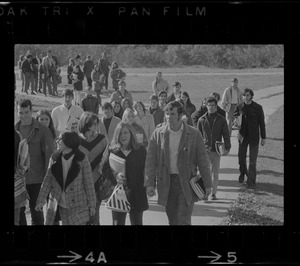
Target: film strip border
(161,244)
(147,22)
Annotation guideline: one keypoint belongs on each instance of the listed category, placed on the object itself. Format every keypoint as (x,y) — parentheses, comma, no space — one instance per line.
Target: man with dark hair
(158,114)
(176,153)
(108,122)
(213,128)
(104,67)
(28,71)
(176,94)
(203,109)
(90,103)
(251,130)
(88,67)
(62,114)
(40,147)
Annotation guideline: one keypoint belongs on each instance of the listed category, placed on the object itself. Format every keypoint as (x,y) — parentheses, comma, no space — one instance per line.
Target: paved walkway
(206,212)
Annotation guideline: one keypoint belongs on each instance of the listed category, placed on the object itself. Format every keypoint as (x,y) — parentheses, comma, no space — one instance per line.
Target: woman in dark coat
(116,75)
(124,145)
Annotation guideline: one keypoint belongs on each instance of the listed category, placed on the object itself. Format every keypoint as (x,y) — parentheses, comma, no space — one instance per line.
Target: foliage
(220,56)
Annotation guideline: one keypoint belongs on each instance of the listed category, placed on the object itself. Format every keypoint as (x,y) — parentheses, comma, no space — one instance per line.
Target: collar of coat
(57,169)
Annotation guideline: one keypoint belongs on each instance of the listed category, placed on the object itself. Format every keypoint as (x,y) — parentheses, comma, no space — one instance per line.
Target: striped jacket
(79,189)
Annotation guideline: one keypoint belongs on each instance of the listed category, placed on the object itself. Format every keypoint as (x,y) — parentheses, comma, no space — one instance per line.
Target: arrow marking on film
(216,257)
(75,257)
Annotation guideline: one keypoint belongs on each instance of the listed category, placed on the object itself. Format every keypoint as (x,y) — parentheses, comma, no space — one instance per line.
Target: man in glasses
(251,131)
(213,128)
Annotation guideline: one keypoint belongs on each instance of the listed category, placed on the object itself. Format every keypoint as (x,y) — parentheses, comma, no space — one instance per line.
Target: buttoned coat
(191,155)
(79,189)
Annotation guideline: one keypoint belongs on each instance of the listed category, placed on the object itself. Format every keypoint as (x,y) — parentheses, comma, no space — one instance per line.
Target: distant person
(129,117)
(88,67)
(21,74)
(160,84)
(126,103)
(108,122)
(63,113)
(40,148)
(213,127)
(176,94)
(252,129)
(104,68)
(45,78)
(116,75)
(144,119)
(56,77)
(77,78)
(93,145)
(162,100)
(175,151)
(69,184)
(28,70)
(90,103)
(232,96)
(121,94)
(70,69)
(118,109)
(37,60)
(187,104)
(135,156)
(96,84)
(158,114)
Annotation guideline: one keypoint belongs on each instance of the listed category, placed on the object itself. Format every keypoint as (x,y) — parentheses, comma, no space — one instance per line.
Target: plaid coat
(79,189)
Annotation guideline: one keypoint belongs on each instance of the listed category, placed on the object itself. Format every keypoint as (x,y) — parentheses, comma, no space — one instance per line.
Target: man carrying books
(175,152)
(213,127)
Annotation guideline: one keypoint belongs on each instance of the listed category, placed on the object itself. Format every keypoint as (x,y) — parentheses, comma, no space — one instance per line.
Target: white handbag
(118,201)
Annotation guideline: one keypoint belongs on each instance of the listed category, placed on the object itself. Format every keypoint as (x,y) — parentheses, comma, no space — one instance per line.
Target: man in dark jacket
(213,127)
(203,109)
(90,103)
(103,64)
(88,67)
(28,70)
(40,148)
(252,127)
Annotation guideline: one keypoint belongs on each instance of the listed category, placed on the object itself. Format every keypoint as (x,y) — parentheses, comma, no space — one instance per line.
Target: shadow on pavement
(269,172)
(270,157)
(229,171)
(269,188)
(228,183)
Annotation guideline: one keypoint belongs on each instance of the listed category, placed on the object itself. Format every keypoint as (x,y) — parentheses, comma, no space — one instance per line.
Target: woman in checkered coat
(69,184)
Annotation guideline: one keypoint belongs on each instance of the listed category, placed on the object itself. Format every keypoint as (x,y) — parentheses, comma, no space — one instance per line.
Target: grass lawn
(264,204)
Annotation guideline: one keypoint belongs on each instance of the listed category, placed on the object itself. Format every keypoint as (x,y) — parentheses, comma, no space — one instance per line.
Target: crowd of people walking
(68,163)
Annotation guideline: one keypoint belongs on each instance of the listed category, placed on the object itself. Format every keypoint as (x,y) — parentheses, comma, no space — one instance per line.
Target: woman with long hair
(44,117)
(160,84)
(144,119)
(187,104)
(93,144)
(69,184)
(118,109)
(125,145)
(129,118)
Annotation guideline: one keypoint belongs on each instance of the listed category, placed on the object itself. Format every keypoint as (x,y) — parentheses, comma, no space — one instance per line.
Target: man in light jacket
(232,96)
(176,152)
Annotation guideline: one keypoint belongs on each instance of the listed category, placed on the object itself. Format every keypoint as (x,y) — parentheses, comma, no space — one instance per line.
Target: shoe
(241,178)
(213,197)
